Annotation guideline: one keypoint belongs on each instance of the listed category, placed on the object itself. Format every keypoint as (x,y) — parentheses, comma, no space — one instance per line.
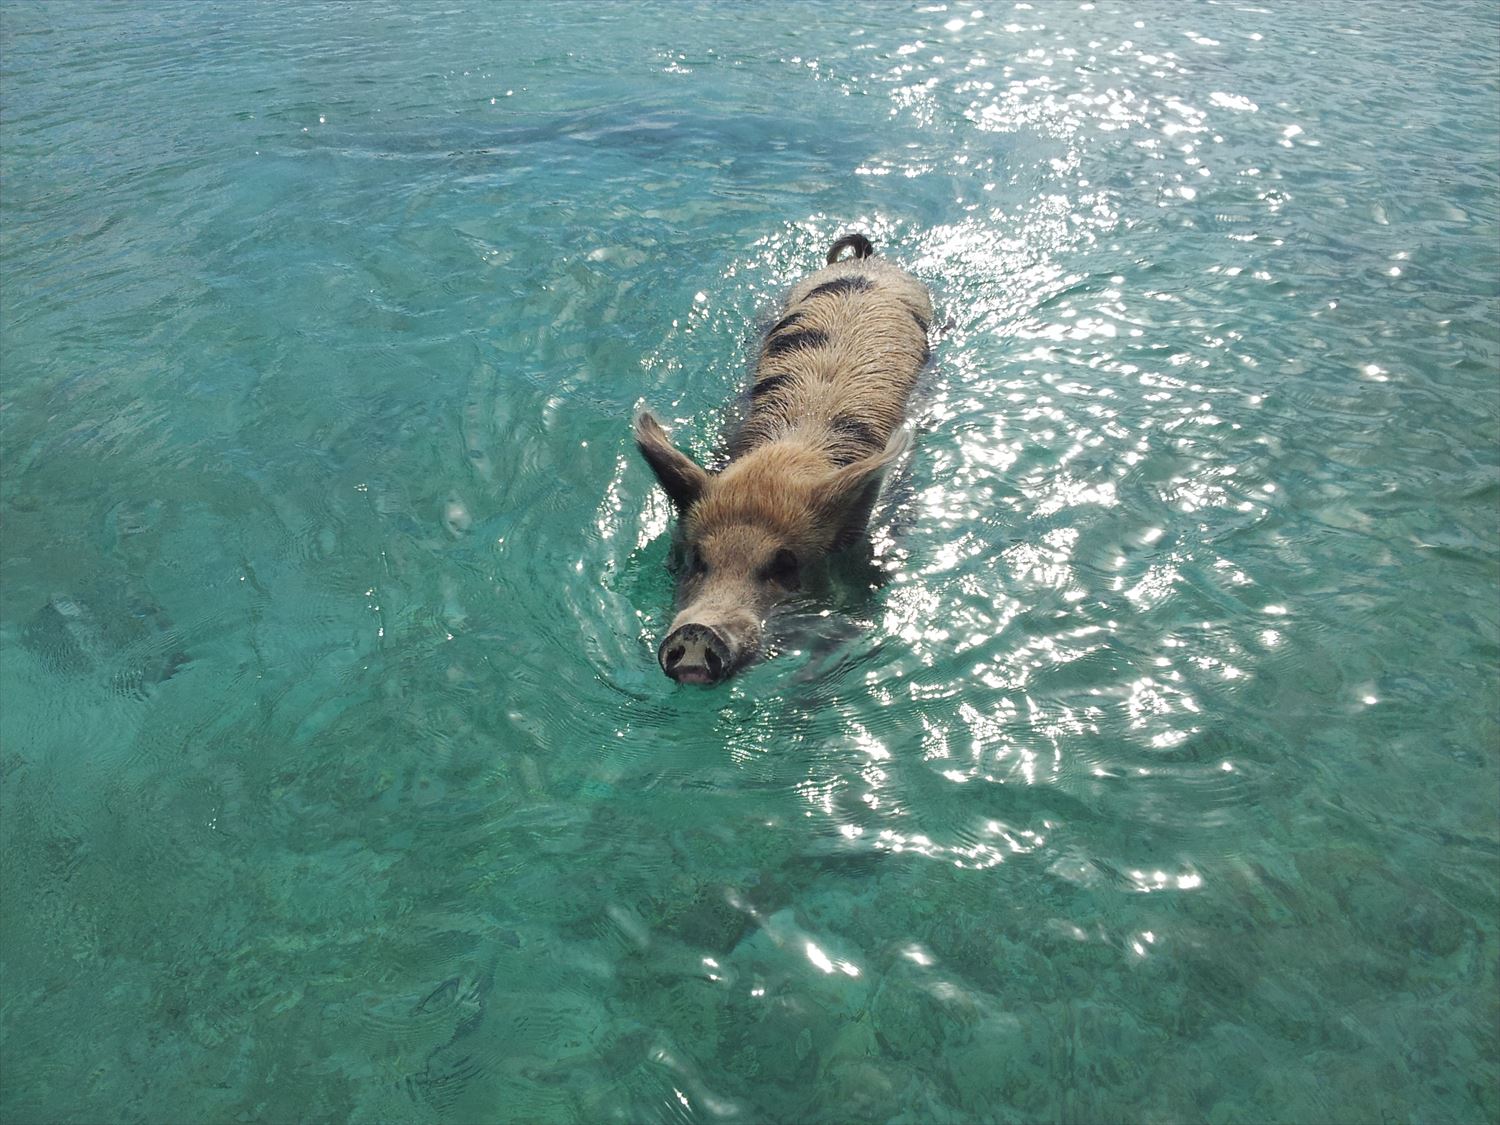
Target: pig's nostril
(695,654)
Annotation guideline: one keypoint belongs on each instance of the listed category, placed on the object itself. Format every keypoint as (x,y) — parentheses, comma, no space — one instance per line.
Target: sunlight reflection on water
(1151,762)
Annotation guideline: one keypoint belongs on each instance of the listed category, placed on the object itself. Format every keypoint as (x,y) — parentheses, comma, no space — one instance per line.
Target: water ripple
(1150,755)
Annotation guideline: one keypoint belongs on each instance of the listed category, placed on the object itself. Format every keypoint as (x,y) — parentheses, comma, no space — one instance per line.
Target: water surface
(1156,782)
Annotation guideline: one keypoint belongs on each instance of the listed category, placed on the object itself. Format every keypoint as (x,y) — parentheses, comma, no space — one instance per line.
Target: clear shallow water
(1157,783)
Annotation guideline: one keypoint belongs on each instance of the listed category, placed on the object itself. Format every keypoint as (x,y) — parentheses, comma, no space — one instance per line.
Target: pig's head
(746,535)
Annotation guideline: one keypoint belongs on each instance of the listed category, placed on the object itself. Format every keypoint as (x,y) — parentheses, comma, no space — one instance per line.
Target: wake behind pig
(827,408)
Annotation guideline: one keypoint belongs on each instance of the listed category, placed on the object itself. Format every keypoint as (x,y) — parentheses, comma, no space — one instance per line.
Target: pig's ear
(846,497)
(678,473)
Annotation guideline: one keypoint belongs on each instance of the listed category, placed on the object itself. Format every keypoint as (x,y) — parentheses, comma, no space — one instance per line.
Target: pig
(827,407)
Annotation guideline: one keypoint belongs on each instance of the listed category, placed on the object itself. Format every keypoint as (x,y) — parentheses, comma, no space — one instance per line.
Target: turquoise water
(1158,780)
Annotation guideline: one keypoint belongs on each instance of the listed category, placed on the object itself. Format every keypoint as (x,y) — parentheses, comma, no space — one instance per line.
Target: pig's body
(829,397)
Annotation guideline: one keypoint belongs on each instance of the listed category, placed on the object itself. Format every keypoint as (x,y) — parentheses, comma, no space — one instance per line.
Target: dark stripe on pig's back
(839,330)
(769,385)
(854,283)
(797,339)
(853,439)
(851,334)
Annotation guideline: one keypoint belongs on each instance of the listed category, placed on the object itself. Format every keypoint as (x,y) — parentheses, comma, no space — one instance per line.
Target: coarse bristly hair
(827,404)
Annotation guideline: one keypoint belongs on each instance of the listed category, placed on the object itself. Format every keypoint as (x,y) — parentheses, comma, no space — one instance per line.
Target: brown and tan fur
(827,404)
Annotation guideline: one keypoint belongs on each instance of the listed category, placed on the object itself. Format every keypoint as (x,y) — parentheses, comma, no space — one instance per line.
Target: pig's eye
(696,567)
(783,570)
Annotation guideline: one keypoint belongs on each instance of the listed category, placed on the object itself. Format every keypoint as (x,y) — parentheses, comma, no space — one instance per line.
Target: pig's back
(843,358)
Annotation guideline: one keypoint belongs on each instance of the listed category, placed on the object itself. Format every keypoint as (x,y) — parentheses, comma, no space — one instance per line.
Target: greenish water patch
(1156,783)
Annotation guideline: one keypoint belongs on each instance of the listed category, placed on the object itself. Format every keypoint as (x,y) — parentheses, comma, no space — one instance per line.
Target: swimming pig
(826,409)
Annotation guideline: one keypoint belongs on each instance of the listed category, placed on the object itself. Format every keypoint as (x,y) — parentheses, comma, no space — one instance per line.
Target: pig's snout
(694,654)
